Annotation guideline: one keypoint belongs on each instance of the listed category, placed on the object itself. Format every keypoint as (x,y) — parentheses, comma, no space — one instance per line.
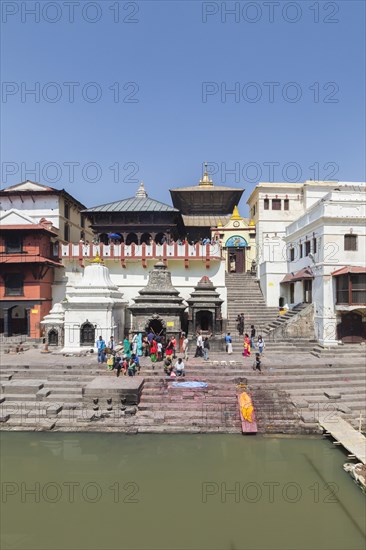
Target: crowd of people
(164,239)
(124,357)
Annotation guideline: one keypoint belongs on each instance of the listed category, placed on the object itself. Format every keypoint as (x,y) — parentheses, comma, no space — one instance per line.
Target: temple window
(292,254)
(13,243)
(307,248)
(14,284)
(351,289)
(314,245)
(286,204)
(132,238)
(350,242)
(276,204)
(66,232)
(266,204)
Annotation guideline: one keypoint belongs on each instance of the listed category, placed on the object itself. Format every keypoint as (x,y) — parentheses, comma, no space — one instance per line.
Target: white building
(56,205)
(309,236)
(93,307)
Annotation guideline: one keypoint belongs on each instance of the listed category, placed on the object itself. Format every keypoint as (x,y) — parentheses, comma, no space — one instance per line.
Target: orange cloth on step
(246,407)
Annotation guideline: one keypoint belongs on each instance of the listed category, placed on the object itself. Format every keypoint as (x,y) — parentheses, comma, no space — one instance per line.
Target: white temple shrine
(93,307)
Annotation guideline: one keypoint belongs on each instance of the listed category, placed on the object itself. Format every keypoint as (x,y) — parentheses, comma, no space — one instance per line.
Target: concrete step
(24,397)
(63,397)
(63,389)
(22,386)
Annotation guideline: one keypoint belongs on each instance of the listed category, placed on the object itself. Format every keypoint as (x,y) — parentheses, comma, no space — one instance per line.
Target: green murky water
(109,491)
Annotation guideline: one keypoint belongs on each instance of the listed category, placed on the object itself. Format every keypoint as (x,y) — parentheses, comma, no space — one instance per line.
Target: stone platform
(110,391)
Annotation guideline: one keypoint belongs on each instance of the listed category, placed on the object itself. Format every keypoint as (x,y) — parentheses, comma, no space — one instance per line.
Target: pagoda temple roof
(215,200)
(139,203)
(206,198)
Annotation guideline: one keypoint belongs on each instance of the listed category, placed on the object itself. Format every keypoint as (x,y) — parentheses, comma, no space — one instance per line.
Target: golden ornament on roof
(235,215)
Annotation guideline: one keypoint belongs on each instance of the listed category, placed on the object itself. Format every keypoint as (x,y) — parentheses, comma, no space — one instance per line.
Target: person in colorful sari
(246,345)
(153,352)
(139,344)
(169,349)
(126,347)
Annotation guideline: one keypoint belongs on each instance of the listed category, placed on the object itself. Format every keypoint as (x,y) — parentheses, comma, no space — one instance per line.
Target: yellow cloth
(246,407)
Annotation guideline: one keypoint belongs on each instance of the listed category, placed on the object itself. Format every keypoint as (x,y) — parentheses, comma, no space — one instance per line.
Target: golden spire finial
(205,179)
(97,259)
(235,215)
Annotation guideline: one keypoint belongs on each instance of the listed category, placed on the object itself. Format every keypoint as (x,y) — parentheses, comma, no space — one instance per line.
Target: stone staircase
(10,344)
(287,398)
(245,296)
(357,351)
(281,320)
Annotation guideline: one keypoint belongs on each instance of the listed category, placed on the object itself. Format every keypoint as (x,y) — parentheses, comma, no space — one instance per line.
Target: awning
(349,269)
(305,273)
(20,259)
(27,227)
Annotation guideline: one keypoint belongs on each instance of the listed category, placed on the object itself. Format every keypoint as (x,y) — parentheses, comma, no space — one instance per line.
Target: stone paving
(45,391)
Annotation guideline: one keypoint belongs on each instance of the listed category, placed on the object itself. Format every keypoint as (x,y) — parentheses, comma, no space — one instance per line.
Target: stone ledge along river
(114,491)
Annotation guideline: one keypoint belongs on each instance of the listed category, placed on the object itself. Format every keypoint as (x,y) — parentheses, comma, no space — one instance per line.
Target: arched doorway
(204,321)
(18,321)
(236,247)
(351,329)
(53,337)
(160,238)
(87,334)
(145,238)
(156,326)
(115,238)
(103,238)
(132,238)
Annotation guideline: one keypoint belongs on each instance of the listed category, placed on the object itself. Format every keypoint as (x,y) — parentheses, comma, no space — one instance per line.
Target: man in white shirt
(179,367)
(199,349)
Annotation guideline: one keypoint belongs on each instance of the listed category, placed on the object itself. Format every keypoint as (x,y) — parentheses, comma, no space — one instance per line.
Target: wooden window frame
(353,238)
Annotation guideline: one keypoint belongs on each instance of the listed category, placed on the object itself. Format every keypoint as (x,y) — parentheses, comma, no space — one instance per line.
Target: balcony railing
(143,252)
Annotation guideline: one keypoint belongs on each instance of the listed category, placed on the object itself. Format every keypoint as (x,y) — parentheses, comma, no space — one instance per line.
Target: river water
(109,491)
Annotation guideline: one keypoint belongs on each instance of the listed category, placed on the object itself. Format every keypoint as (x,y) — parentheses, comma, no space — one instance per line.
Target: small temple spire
(206,179)
(235,215)
(141,193)
(97,259)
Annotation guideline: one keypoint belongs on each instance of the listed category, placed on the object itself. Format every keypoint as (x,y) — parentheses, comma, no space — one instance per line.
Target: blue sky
(165,121)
